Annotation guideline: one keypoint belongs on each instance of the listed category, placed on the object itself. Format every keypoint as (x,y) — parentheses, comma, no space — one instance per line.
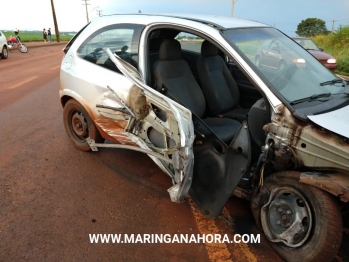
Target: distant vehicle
(3,46)
(273,54)
(329,61)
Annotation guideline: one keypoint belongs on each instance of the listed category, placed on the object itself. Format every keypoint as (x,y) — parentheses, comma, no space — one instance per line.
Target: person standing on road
(49,37)
(44,34)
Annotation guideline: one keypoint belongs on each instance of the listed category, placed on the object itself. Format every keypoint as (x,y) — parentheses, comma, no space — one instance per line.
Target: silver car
(3,46)
(186,91)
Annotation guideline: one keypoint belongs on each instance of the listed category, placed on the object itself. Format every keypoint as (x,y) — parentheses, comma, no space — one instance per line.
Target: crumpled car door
(160,127)
(218,167)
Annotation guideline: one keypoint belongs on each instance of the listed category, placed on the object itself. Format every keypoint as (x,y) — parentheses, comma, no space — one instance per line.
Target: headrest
(208,49)
(170,49)
(154,44)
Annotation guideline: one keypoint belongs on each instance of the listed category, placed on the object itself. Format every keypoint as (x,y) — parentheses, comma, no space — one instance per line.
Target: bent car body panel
(336,121)
(309,145)
(335,183)
(178,127)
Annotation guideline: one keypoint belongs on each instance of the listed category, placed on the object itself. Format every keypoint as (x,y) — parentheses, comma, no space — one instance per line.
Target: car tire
(323,224)
(4,53)
(79,125)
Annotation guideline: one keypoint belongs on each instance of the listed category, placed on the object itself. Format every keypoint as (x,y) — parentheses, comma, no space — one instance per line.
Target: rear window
(66,48)
(121,39)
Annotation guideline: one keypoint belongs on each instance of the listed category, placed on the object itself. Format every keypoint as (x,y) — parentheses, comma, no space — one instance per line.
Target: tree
(311,27)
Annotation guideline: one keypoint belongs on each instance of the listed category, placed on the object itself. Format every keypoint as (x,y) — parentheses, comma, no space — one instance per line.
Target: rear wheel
(79,125)
(302,222)
(4,52)
(22,48)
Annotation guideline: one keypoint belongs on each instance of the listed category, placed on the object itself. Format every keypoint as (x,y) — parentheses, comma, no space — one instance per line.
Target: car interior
(197,74)
(206,82)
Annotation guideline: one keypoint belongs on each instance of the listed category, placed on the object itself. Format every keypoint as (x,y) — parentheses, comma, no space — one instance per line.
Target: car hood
(320,55)
(336,121)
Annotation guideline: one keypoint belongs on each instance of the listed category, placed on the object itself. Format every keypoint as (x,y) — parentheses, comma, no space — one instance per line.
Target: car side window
(275,46)
(190,42)
(121,39)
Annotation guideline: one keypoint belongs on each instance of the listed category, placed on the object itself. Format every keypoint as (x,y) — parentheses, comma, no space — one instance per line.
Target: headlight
(298,61)
(331,61)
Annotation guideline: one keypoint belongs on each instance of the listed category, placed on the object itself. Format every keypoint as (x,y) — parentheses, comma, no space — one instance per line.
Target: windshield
(288,67)
(306,43)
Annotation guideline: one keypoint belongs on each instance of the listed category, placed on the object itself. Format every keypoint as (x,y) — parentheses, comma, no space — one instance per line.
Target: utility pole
(99,12)
(333,24)
(86,4)
(232,7)
(55,21)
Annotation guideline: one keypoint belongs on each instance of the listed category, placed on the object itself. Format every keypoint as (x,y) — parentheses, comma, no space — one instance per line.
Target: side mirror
(321,49)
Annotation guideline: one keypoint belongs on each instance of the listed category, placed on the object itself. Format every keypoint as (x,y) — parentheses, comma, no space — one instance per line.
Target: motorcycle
(15,42)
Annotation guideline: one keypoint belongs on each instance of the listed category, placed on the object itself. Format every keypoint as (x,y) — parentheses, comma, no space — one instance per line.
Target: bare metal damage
(167,140)
(293,144)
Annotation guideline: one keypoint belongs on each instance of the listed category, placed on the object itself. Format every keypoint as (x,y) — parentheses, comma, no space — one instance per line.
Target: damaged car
(186,90)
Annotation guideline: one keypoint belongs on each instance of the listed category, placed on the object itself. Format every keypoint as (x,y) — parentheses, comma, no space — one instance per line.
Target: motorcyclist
(16,31)
(15,42)
(11,40)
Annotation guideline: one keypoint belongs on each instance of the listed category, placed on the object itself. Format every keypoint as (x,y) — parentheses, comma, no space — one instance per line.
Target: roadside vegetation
(36,36)
(337,45)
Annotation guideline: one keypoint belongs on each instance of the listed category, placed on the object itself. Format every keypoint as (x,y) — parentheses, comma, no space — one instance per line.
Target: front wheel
(79,125)
(302,222)
(4,53)
(22,48)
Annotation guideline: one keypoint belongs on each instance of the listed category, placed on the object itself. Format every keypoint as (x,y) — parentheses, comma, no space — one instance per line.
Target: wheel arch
(66,95)
(336,184)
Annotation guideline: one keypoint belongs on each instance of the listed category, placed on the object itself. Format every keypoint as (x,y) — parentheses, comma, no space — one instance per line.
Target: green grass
(32,37)
(337,45)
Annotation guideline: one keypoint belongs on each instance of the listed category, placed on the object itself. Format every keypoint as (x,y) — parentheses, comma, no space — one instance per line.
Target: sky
(71,14)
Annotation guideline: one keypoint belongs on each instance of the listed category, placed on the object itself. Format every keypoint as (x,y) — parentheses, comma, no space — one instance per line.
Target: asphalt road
(52,196)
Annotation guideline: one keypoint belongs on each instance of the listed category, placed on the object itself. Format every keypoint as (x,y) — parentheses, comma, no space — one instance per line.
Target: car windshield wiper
(310,98)
(332,82)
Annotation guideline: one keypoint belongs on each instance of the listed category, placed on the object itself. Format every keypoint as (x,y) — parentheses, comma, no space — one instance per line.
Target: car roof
(220,22)
(299,37)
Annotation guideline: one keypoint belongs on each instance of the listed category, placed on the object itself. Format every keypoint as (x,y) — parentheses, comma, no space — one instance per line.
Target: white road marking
(23,82)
